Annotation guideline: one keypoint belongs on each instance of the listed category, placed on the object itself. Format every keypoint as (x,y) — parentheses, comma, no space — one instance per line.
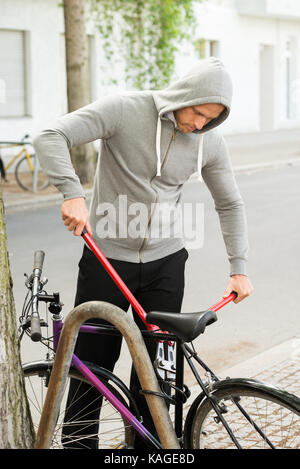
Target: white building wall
(42,21)
(240,39)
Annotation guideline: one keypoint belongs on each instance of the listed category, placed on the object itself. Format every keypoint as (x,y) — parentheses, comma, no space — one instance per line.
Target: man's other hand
(239,284)
(75,215)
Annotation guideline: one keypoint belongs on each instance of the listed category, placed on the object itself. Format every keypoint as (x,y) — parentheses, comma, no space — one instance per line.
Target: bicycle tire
(203,429)
(24,176)
(114,430)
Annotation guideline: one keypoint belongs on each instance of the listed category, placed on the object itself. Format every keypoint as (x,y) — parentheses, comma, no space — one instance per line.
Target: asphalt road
(270,316)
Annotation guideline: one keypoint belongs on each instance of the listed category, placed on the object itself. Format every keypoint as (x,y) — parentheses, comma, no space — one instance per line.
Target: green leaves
(145,35)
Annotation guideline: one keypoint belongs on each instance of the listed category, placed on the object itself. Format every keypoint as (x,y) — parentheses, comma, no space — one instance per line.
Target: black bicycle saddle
(186,326)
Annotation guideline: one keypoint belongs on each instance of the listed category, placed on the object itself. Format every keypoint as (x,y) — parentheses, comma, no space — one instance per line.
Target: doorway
(266,84)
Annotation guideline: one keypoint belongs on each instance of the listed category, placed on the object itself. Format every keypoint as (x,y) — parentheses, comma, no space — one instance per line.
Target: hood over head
(207,82)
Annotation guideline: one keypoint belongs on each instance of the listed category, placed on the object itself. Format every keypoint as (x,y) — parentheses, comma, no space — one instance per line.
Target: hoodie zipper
(156,194)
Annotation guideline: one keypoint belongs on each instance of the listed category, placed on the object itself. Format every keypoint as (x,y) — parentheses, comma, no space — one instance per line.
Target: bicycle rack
(140,357)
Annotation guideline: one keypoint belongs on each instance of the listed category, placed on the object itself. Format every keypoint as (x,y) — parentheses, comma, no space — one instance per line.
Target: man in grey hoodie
(151,142)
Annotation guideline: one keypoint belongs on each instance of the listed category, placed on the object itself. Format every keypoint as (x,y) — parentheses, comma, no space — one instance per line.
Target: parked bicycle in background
(27,171)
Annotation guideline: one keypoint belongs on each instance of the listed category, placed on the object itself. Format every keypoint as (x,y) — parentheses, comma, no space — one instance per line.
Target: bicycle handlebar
(36,333)
(21,142)
(35,325)
(39,257)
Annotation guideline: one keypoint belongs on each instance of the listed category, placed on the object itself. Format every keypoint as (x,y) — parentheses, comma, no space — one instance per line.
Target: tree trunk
(83,156)
(16,430)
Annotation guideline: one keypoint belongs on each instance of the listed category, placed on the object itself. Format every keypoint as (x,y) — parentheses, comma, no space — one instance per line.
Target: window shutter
(12,74)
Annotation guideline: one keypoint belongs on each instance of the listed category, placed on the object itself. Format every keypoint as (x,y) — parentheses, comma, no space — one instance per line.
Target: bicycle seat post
(179,387)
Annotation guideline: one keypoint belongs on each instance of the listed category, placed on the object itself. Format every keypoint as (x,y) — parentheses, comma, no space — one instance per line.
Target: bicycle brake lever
(28,281)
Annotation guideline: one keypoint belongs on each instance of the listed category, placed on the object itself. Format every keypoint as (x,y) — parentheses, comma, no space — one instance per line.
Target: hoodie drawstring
(158,160)
(200,158)
(158,134)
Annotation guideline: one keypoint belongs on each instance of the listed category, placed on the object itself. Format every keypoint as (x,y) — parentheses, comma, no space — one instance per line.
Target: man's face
(196,117)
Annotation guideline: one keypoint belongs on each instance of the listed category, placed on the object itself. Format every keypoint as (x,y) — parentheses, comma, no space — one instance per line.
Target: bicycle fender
(258,386)
(190,418)
(102,372)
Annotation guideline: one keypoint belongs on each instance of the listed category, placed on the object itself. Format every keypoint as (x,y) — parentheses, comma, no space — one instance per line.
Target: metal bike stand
(140,357)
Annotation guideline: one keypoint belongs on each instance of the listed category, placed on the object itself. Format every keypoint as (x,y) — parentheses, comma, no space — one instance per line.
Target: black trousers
(157,285)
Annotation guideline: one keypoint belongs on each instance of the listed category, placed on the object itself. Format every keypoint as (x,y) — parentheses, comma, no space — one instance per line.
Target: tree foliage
(146,33)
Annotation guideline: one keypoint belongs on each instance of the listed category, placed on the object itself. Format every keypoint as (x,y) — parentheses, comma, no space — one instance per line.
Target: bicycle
(28,175)
(232,413)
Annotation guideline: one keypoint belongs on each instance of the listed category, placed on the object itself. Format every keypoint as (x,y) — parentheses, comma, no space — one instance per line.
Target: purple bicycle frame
(84,370)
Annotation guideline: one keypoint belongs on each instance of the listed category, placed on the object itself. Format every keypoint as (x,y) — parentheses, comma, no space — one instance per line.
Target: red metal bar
(117,279)
(223,302)
(123,287)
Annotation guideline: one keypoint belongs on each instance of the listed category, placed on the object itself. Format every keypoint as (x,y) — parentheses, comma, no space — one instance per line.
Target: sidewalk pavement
(264,149)
(279,366)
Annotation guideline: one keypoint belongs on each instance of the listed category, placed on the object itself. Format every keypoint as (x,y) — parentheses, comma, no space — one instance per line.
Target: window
(207,48)
(12,74)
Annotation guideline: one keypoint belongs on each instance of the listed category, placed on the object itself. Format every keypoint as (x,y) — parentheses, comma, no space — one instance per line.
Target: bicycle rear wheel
(274,411)
(112,429)
(24,173)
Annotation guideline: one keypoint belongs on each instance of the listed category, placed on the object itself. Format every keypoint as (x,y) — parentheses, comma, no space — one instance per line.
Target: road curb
(266,165)
(54,199)
(36,201)
(257,167)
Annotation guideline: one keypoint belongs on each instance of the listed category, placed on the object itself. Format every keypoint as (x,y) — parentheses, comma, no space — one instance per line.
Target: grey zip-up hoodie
(144,158)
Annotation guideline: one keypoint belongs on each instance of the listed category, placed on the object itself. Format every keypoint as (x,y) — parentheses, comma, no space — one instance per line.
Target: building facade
(258,41)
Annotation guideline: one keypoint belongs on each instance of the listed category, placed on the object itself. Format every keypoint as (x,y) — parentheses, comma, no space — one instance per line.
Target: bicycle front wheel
(24,173)
(97,425)
(260,417)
